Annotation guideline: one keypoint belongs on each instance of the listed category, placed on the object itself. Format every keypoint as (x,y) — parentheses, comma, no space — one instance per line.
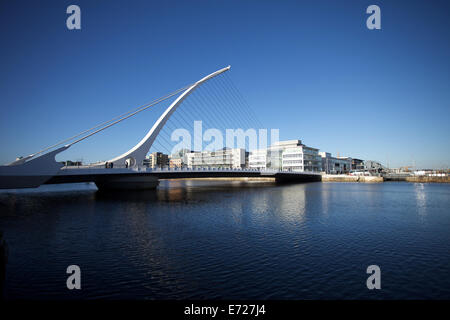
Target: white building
(299,157)
(293,159)
(258,159)
(290,155)
(225,158)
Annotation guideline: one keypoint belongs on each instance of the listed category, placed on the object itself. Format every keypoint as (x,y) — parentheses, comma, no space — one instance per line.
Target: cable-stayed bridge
(127,170)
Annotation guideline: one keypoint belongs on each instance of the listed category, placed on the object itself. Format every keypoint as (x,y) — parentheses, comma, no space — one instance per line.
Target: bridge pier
(127,183)
(286,177)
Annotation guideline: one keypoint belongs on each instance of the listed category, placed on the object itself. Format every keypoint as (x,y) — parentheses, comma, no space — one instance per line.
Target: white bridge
(127,170)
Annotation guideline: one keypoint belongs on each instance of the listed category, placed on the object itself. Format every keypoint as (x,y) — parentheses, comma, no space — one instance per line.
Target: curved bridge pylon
(136,155)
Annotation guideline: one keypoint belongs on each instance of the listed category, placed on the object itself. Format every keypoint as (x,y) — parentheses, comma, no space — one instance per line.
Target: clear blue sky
(310,68)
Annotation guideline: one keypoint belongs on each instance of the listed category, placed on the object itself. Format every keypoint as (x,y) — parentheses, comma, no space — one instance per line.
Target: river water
(229,240)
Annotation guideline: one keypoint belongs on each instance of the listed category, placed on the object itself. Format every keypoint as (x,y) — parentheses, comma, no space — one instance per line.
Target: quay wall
(428,179)
(346,178)
(262,179)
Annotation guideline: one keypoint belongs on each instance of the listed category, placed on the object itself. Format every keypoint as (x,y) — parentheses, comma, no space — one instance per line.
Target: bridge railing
(265,170)
(185,169)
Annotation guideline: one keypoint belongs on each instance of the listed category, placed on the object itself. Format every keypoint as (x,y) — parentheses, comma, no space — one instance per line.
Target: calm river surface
(229,240)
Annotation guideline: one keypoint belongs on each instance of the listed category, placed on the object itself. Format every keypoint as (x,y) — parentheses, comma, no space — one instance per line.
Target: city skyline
(313,71)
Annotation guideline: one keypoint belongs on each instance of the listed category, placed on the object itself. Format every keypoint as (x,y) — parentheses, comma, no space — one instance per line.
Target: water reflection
(325,195)
(421,199)
(292,203)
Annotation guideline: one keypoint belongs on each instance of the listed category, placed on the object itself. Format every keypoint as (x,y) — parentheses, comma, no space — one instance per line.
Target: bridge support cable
(233,109)
(218,105)
(210,110)
(228,110)
(245,107)
(206,111)
(248,108)
(161,147)
(106,124)
(238,111)
(221,110)
(124,118)
(237,107)
(224,110)
(237,102)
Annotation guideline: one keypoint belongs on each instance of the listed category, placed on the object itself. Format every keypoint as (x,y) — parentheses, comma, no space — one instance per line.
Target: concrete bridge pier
(285,177)
(130,182)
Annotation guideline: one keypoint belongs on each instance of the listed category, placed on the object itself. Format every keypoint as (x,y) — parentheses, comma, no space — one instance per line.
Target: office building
(175,163)
(335,165)
(224,158)
(290,155)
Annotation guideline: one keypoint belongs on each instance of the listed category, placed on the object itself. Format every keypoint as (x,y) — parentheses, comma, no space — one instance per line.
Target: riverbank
(346,178)
(336,178)
(325,178)
(245,179)
(372,179)
(426,179)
